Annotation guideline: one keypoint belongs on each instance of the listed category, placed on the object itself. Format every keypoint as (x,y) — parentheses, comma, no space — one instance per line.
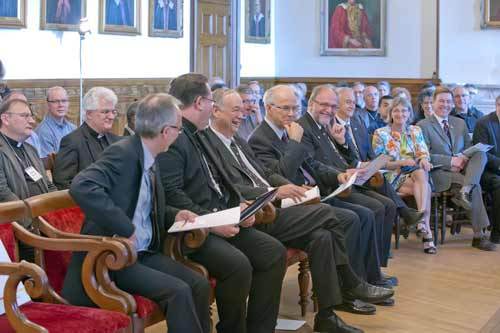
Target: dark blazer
(186,179)
(319,144)
(238,177)
(470,118)
(77,151)
(363,139)
(488,131)
(287,159)
(370,123)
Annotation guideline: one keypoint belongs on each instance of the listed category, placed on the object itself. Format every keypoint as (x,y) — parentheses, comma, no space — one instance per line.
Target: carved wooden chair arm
(103,254)
(193,239)
(36,286)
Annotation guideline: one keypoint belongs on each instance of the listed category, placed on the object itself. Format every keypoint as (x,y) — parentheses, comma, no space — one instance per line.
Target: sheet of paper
(22,295)
(341,188)
(310,195)
(229,216)
(289,325)
(372,168)
(477,147)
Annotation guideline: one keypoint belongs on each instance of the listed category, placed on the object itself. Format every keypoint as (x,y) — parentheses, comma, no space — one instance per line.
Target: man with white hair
(83,146)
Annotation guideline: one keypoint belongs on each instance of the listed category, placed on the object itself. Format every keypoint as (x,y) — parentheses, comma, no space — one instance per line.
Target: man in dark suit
(487,131)
(464,109)
(447,137)
(83,146)
(129,129)
(247,263)
(298,226)
(128,167)
(369,115)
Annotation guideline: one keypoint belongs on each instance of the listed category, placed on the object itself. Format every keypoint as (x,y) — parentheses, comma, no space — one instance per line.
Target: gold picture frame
(166,18)
(120,18)
(258,21)
(53,16)
(490,14)
(13,14)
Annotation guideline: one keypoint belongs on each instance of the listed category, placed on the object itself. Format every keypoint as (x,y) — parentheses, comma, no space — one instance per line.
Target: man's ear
(4,117)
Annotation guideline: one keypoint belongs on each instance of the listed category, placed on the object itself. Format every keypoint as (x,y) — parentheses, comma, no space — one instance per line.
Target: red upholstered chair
(40,316)
(56,215)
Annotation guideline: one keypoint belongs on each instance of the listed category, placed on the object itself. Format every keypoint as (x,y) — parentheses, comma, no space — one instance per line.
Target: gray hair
(317,89)
(155,112)
(219,94)
(457,87)
(95,95)
(497,100)
(403,102)
(53,89)
(270,93)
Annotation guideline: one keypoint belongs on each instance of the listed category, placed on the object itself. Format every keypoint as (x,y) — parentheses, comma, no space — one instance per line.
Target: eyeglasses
(178,128)
(58,101)
(326,105)
(208,99)
(250,101)
(25,115)
(287,108)
(107,111)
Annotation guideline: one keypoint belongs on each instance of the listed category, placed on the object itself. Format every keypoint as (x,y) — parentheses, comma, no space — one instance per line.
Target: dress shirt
(279,132)
(34,140)
(142,214)
(50,132)
(349,128)
(440,121)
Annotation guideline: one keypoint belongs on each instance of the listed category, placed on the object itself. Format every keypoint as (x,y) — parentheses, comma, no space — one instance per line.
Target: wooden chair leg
(303,278)
(436,219)
(443,218)
(397,233)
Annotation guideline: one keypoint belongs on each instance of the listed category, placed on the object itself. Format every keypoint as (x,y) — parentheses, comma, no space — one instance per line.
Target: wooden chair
(442,209)
(43,316)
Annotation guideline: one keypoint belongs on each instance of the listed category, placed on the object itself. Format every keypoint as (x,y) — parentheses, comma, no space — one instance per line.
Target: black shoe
(333,324)
(411,216)
(463,200)
(357,307)
(483,244)
(387,302)
(382,283)
(368,293)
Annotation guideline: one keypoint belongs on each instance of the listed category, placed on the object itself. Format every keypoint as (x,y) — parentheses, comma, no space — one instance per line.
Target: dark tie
(307,176)
(253,177)
(152,181)
(446,129)
(350,141)
(284,138)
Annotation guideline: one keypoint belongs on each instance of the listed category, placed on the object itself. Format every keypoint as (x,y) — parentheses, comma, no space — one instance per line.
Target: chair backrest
(60,211)
(10,211)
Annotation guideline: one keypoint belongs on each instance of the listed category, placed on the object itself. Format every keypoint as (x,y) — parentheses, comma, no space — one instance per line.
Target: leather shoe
(483,244)
(387,302)
(382,283)
(357,307)
(463,200)
(333,324)
(411,216)
(391,279)
(368,293)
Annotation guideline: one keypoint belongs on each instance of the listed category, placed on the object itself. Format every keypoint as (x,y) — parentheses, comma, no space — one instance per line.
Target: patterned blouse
(399,146)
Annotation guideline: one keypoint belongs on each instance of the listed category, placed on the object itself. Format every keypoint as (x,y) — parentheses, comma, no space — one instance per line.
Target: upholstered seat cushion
(8,239)
(72,319)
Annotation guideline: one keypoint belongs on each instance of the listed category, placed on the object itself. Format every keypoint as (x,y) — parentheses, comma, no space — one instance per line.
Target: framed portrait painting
(258,21)
(165,18)
(353,27)
(62,14)
(490,12)
(13,14)
(121,17)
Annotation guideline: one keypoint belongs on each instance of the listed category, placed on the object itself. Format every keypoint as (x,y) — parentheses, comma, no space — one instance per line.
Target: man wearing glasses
(54,125)
(251,113)
(83,146)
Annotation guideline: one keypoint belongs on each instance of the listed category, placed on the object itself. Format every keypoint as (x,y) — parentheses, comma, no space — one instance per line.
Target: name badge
(34,175)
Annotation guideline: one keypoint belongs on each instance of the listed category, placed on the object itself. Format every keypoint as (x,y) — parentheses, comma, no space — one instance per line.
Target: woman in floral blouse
(409,165)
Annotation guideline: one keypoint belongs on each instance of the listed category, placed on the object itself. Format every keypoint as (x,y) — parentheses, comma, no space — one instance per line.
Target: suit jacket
(441,149)
(322,147)
(77,151)
(236,174)
(287,159)
(13,184)
(488,131)
(185,177)
(470,118)
(370,124)
(362,139)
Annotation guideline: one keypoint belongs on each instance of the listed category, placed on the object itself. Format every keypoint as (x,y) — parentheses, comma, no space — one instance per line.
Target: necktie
(284,138)
(309,179)
(350,141)
(152,182)
(446,129)
(253,177)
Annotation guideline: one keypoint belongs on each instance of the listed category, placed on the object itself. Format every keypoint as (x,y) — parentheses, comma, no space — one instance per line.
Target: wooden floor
(457,290)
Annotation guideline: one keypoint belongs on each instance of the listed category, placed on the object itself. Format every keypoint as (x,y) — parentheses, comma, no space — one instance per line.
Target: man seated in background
(54,125)
(447,137)
(22,174)
(83,146)
(369,114)
(129,129)
(488,131)
(359,88)
(384,88)
(251,113)
(464,109)
(258,91)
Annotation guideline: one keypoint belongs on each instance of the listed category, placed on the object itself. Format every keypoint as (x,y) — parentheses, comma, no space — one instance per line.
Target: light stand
(83,31)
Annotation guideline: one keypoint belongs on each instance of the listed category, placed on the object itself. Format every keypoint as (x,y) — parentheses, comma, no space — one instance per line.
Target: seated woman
(424,102)
(409,167)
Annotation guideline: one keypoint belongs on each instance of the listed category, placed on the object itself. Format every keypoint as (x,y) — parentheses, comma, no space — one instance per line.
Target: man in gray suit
(447,137)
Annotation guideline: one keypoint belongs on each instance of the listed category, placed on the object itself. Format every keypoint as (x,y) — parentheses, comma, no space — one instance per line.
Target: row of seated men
(207,169)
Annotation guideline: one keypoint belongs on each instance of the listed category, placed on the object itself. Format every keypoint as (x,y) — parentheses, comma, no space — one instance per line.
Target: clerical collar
(279,132)
(221,136)
(312,117)
(12,142)
(189,126)
(92,131)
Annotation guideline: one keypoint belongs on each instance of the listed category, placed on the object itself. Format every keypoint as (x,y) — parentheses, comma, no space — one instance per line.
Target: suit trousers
(320,231)
(249,265)
(491,183)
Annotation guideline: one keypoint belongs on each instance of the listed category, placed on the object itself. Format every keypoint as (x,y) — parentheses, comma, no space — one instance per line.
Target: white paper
(289,325)
(342,187)
(229,216)
(477,147)
(22,295)
(372,168)
(310,195)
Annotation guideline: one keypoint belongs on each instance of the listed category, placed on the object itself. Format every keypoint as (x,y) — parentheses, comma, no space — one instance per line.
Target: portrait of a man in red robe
(350,26)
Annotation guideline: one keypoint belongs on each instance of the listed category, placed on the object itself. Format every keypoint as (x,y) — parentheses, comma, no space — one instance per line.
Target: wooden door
(214,42)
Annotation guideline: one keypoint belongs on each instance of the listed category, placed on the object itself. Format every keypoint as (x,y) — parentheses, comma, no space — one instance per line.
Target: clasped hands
(458,162)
